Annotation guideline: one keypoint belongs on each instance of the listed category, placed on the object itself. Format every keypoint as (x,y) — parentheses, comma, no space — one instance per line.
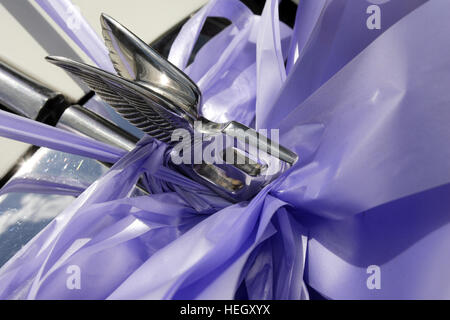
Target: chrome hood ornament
(160,99)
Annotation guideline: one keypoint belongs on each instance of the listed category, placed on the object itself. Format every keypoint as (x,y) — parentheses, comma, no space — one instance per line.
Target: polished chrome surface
(82,121)
(21,94)
(134,60)
(158,98)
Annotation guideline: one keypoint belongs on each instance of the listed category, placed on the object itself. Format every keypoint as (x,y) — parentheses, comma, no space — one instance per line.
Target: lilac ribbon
(233,10)
(329,34)
(376,170)
(270,69)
